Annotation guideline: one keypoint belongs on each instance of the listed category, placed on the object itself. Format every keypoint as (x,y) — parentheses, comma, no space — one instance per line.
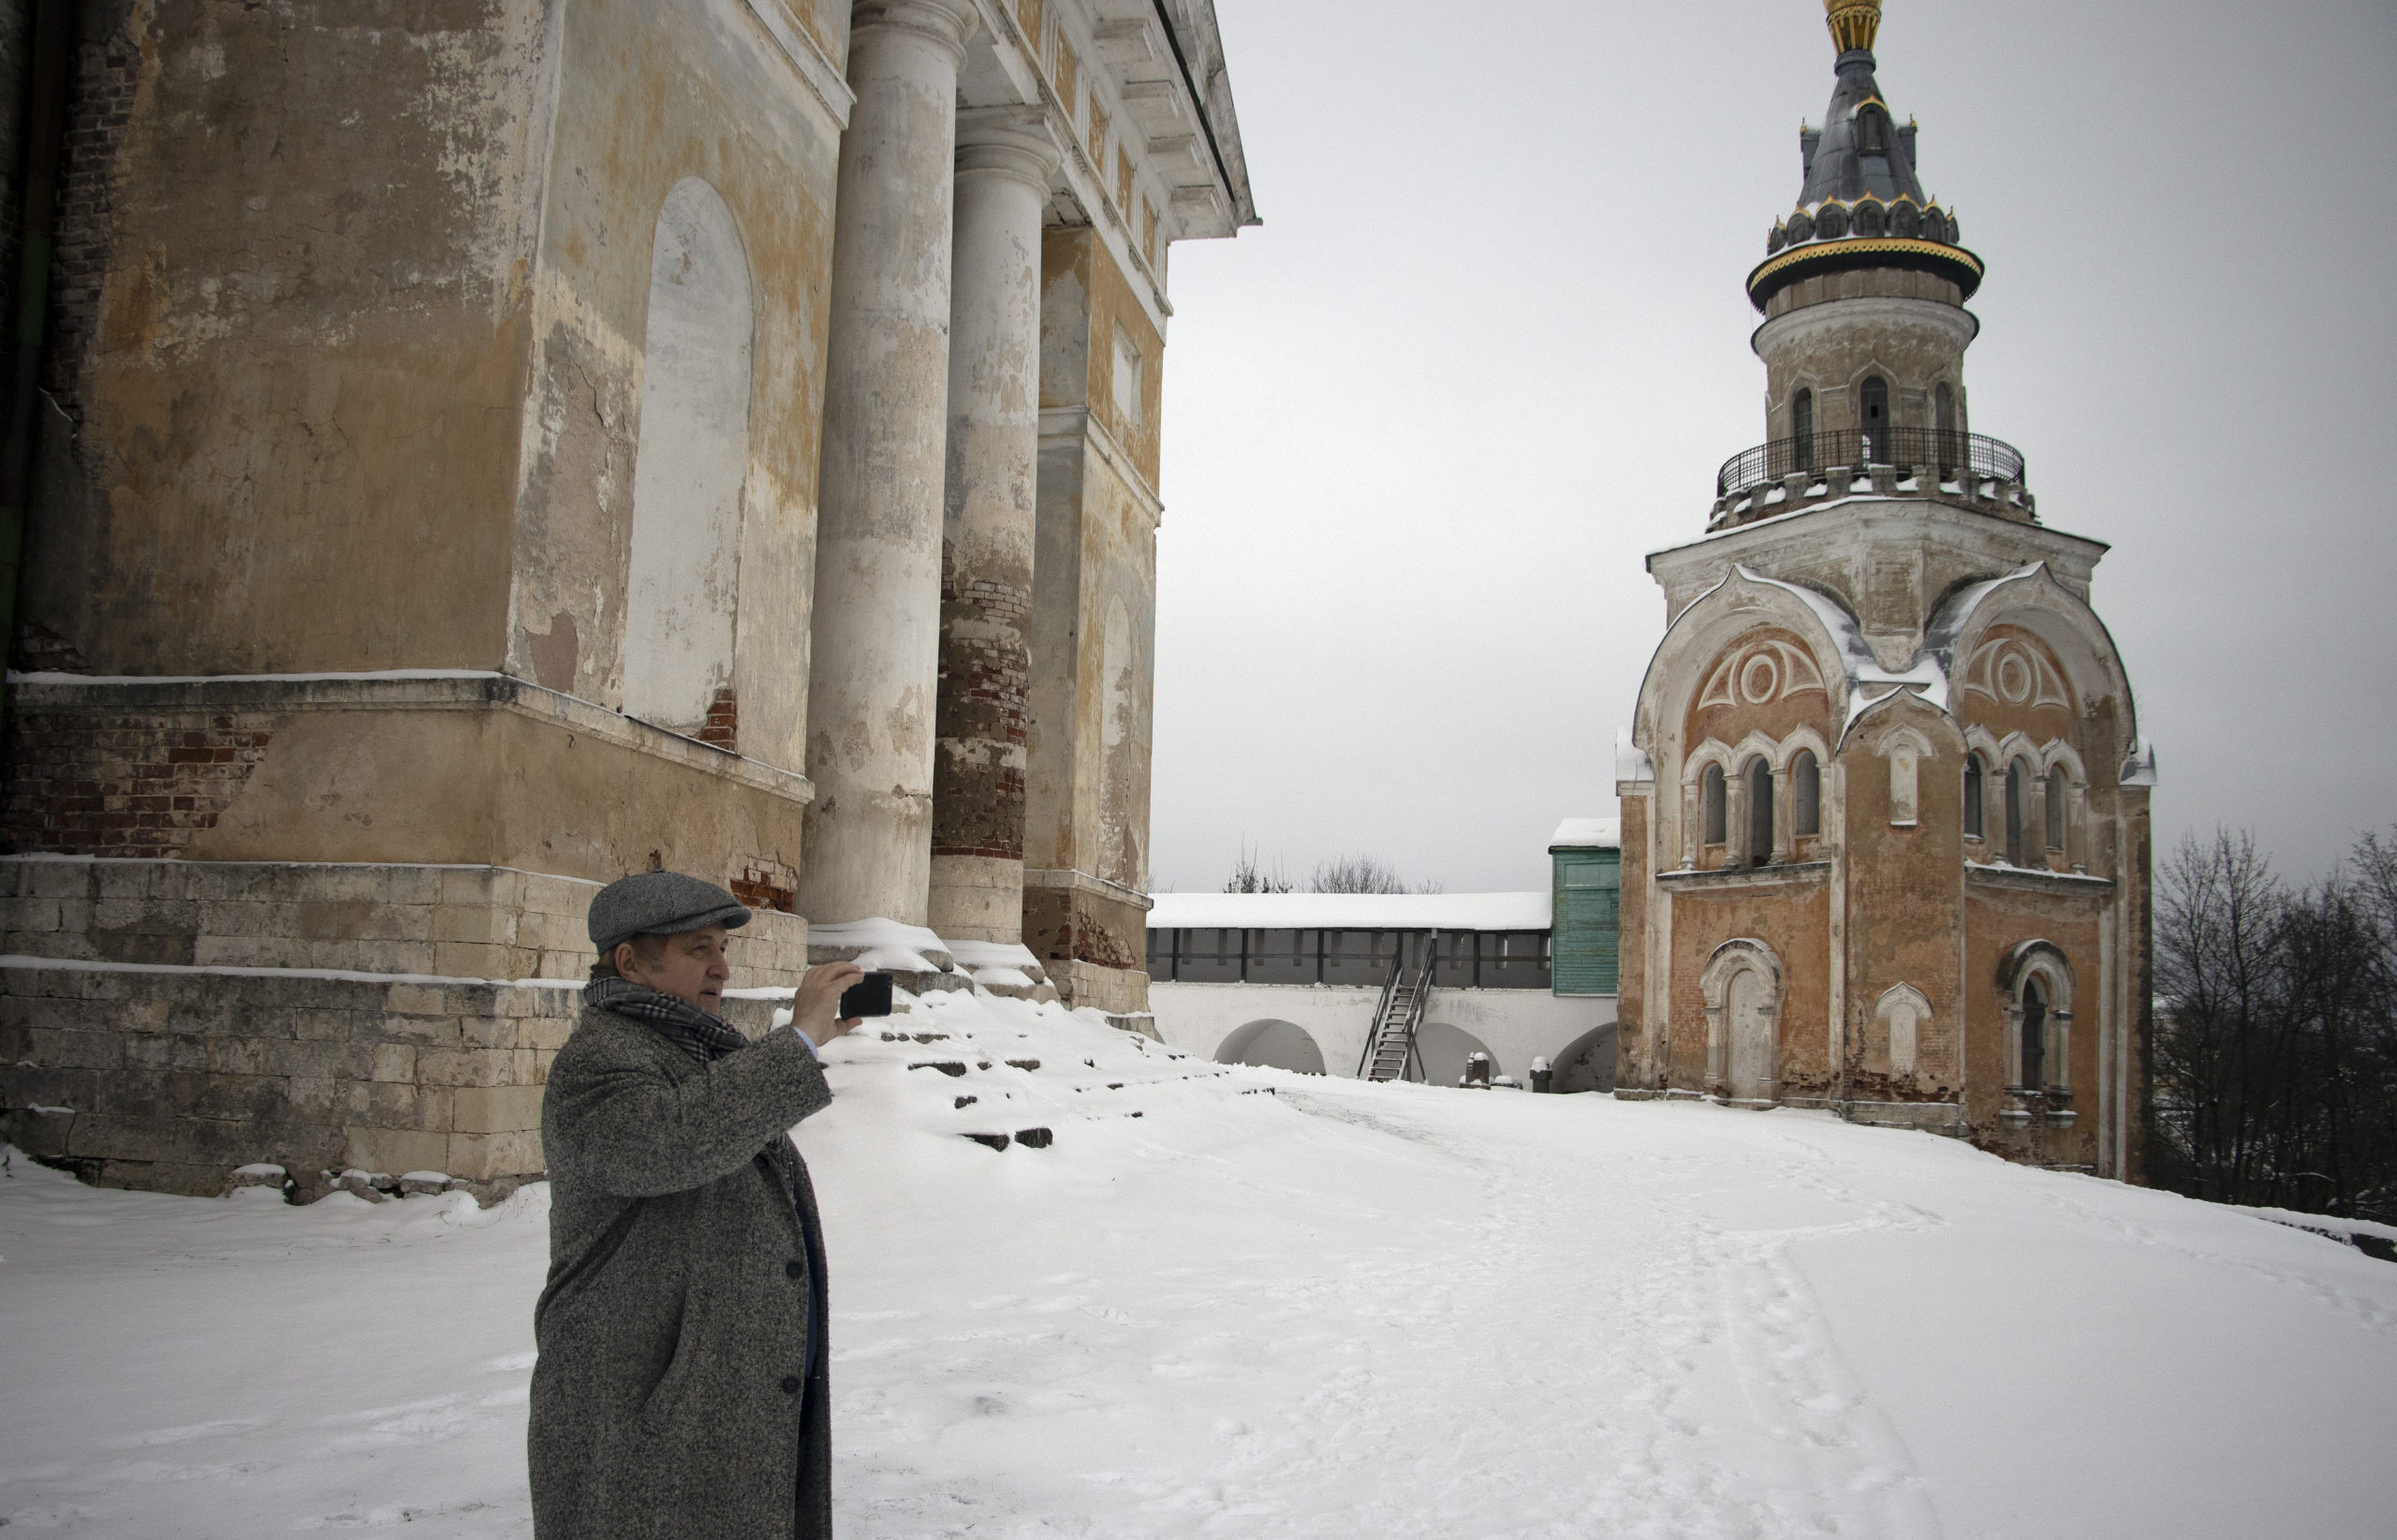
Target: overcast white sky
(1490,345)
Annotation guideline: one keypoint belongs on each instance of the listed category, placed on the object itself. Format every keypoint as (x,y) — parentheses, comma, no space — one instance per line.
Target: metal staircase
(1390,1050)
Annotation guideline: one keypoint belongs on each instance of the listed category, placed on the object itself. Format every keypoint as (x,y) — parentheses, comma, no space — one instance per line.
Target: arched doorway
(1749,1018)
(1442,1051)
(1742,985)
(1272,1045)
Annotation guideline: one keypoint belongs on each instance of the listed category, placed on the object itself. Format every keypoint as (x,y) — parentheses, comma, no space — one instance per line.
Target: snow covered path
(1337,1311)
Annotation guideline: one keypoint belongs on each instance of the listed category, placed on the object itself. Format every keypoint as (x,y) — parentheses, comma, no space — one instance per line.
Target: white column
(875,648)
(1004,156)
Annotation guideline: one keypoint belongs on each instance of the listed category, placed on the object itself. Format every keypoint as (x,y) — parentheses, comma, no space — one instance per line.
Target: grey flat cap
(662,903)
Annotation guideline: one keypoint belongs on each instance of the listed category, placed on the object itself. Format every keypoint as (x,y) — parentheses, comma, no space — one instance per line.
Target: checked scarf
(704,1038)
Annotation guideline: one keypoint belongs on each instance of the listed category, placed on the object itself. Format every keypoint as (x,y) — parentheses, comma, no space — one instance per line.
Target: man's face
(691,967)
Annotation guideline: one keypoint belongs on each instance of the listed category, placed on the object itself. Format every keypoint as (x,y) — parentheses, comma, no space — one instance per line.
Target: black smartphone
(868,996)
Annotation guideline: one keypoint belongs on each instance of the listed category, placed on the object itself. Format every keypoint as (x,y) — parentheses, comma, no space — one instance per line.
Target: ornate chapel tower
(1884,800)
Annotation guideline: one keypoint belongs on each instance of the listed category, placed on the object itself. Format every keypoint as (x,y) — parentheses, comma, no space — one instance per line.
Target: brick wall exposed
(122,785)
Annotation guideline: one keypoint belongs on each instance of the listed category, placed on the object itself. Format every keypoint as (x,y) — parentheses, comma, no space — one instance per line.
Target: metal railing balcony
(1952,454)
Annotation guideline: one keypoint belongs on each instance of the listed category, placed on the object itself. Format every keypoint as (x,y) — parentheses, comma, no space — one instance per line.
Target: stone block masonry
(166,1022)
(478,922)
(169,1079)
(172,1078)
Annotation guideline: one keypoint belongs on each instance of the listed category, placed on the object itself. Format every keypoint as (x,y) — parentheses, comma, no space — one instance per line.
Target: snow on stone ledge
(879,944)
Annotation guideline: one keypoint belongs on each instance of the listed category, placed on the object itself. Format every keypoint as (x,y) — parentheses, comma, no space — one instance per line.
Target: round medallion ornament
(1759,680)
(2014,678)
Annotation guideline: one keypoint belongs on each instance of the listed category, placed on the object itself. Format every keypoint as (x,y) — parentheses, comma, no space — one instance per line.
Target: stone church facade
(485,448)
(1886,843)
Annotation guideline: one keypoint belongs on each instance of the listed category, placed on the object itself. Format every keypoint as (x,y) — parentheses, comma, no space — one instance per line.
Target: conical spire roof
(1859,150)
(1861,202)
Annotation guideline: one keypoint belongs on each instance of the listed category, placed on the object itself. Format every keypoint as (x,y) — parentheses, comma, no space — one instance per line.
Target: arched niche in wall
(1587,1063)
(691,466)
(1899,1020)
(1443,1049)
(1272,1045)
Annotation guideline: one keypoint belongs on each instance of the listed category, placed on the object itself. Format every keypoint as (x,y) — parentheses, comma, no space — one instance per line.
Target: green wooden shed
(1586,858)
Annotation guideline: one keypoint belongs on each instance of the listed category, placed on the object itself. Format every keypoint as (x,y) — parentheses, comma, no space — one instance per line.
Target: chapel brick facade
(1887,844)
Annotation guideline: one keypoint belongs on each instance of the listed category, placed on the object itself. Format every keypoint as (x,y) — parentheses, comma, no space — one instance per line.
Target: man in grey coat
(680,1389)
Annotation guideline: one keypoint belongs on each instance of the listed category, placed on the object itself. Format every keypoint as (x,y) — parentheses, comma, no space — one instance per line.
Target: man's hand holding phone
(816,1011)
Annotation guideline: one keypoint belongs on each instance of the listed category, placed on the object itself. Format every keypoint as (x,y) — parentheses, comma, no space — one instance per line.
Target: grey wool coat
(675,1395)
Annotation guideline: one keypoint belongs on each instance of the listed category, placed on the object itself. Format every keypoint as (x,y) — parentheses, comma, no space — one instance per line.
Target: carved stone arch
(1786,819)
(2035,600)
(1742,987)
(1899,1020)
(1693,647)
(2055,751)
(1755,746)
(2014,747)
(2041,964)
(2062,826)
(1717,754)
(1712,752)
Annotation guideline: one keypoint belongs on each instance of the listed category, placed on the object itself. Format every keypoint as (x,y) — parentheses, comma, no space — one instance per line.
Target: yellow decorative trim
(1893,245)
(1854,24)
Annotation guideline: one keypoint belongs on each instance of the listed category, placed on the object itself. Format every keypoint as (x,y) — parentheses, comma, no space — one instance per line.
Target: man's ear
(626,957)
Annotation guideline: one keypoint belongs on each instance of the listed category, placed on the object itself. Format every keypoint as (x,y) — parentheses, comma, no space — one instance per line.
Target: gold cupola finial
(1854,23)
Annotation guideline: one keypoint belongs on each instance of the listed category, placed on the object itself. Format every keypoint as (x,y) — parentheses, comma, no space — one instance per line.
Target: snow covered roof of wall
(1351,911)
(1587,833)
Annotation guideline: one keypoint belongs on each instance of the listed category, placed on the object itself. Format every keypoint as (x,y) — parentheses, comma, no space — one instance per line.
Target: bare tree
(1247,878)
(2276,1036)
(1361,874)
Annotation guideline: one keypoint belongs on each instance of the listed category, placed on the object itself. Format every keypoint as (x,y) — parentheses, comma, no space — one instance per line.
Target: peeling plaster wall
(295,251)
(1094,623)
(653,95)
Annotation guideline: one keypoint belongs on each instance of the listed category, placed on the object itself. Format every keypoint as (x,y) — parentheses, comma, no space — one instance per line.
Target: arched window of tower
(2059,789)
(689,469)
(1805,794)
(1976,816)
(1801,430)
(1710,794)
(1943,419)
(1759,778)
(2016,789)
(2035,1036)
(1874,413)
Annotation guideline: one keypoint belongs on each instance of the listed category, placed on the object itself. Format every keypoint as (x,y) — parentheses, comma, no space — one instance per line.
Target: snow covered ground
(1339,1309)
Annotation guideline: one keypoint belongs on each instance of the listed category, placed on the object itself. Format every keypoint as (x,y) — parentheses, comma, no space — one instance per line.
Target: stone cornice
(1084,882)
(399,690)
(2032,879)
(1079,424)
(820,74)
(1787,873)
